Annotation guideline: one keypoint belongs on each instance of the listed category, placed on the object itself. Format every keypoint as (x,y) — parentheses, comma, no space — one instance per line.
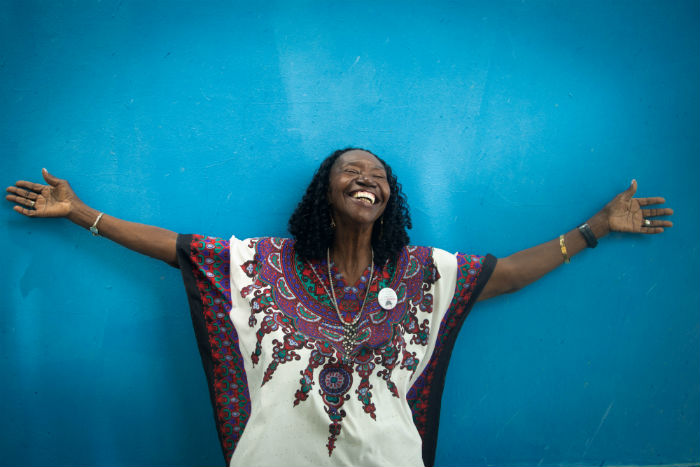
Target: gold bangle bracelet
(564,253)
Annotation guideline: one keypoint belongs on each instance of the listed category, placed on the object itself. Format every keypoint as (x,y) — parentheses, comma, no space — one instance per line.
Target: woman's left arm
(623,214)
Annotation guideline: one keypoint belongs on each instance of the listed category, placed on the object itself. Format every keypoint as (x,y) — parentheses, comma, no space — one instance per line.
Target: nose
(363,179)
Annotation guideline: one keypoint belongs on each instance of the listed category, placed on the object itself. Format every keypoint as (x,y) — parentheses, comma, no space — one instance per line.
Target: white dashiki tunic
(271,343)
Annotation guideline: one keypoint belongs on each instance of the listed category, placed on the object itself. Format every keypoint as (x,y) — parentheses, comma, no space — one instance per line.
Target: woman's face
(359,189)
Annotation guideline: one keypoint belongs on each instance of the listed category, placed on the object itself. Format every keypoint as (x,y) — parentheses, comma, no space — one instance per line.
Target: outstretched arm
(623,214)
(57,199)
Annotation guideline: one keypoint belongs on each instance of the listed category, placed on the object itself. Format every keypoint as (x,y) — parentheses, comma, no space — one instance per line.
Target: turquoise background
(507,122)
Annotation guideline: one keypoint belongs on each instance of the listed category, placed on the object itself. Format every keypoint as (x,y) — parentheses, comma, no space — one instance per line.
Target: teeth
(365,195)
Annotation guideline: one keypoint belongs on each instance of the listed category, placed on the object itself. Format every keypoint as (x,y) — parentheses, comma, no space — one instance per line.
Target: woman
(332,348)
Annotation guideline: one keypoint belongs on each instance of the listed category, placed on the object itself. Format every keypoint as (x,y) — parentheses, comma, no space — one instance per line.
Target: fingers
(657,223)
(655,226)
(50,179)
(657,212)
(648,201)
(30,185)
(30,202)
(26,200)
(25,211)
(22,193)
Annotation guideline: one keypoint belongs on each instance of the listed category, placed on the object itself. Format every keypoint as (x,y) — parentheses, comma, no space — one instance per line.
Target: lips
(364,196)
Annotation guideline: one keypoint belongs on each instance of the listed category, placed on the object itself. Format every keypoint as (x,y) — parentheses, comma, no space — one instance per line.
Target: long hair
(310,224)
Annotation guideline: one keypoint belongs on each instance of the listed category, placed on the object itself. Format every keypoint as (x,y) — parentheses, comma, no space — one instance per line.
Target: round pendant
(387,298)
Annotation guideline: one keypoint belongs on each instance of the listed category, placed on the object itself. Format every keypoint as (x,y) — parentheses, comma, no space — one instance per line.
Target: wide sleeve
(470,274)
(205,265)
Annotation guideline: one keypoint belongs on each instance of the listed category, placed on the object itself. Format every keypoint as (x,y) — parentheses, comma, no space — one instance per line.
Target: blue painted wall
(507,122)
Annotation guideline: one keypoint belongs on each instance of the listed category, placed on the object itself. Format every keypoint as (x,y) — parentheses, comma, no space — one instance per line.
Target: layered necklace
(349,328)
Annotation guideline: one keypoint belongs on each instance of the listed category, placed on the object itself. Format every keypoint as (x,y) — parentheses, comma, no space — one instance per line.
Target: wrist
(82,214)
(599,225)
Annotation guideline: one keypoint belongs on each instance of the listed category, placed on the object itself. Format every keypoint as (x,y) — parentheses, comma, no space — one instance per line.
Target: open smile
(364,197)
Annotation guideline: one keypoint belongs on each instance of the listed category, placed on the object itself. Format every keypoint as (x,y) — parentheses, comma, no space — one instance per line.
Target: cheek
(387,192)
(332,190)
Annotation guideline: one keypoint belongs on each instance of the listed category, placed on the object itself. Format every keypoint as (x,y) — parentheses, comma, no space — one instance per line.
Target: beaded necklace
(349,329)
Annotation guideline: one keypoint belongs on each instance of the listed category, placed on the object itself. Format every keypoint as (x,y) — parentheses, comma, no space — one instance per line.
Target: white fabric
(281,434)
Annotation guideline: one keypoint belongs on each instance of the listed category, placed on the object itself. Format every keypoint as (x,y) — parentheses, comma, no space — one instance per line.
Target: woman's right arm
(57,199)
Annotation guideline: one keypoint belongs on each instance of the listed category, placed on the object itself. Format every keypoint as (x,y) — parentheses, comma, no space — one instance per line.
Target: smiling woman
(331,348)
(313,223)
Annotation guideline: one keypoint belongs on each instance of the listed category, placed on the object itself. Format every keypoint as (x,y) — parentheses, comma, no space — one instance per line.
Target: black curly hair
(310,222)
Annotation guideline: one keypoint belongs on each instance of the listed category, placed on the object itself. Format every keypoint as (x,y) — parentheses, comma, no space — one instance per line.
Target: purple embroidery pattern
(285,295)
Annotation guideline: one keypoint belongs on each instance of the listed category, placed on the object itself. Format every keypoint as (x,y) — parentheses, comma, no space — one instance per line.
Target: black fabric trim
(437,385)
(184,249)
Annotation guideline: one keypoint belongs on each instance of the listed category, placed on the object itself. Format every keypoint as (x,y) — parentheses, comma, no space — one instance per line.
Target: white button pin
(387,298)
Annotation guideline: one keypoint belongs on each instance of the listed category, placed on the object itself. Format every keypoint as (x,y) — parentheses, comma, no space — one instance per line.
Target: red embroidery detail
(288,297)
(418,396)
(210,257)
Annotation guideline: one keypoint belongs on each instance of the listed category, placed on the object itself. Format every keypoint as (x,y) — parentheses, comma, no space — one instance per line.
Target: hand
(625,213)
(35,200)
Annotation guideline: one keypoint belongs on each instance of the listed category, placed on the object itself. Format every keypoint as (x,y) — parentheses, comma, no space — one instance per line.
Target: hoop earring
(332,223)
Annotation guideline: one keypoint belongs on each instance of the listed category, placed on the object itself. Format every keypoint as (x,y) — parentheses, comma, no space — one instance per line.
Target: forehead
(359,157)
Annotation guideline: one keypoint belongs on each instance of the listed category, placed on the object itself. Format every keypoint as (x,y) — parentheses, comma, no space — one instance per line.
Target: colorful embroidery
(210,257)
(288,301)
(286,295)
(418,396)
(335,380)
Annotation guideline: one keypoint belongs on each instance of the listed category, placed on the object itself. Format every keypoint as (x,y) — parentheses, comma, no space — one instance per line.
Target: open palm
(625,213)
(37,200)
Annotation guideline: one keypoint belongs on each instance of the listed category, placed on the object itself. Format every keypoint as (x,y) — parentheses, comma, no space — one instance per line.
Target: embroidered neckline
(286,297)
(349,325)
